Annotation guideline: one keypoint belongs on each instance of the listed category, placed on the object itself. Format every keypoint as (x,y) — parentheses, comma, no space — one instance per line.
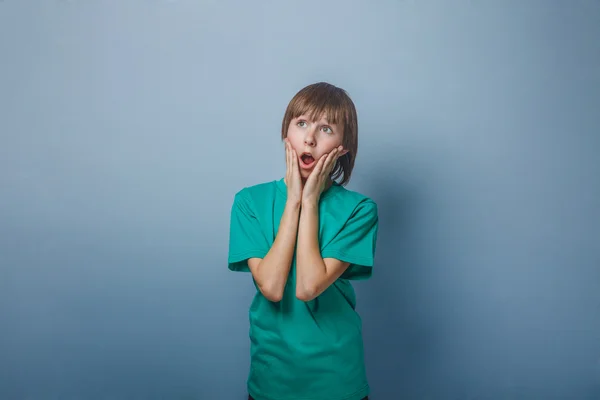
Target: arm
(313,273)
(271,272)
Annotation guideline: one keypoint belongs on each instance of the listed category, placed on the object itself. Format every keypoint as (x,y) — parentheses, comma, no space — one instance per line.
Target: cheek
(292,132)
(332,144)
(295,141)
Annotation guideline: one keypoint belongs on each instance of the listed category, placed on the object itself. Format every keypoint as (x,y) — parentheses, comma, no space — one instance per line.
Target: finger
(337,157)
(320,163)
(293,162)
(335,154)
(338,154)
(295,167)
(331,157)
(335,160)
(288,157)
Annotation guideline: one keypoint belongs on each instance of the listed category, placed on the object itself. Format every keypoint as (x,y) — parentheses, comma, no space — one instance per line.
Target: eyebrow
(303,116)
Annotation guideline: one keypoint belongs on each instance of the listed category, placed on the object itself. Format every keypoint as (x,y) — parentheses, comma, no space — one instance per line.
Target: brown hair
(319,98)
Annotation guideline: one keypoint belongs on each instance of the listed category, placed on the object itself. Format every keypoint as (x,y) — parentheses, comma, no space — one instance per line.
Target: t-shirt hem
(239,257)
(357,395)
(357,260)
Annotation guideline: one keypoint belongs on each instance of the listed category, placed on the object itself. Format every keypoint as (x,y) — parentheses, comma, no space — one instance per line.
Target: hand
(293,180)
(319,178)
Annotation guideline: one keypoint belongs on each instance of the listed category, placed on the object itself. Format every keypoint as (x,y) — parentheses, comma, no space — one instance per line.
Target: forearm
(310,267)
(272,271)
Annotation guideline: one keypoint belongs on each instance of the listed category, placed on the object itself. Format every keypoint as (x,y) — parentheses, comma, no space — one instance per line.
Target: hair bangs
(316,104)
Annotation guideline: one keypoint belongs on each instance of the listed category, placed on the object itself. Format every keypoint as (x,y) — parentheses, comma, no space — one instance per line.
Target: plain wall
(127,127)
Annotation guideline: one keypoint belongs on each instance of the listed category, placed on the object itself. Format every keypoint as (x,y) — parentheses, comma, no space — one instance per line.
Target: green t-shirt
(306,350)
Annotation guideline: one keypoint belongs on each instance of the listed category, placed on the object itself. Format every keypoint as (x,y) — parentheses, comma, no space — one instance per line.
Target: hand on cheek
(320,176)
(292,177)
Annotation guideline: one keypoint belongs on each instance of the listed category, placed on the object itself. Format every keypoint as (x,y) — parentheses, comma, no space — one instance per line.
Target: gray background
(127,127)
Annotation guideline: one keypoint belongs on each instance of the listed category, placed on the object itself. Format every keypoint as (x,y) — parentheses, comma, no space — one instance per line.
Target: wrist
(310,203)
(293,204)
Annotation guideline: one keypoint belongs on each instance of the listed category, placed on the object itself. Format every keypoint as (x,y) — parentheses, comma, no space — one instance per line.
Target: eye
(301,124)
(327,129)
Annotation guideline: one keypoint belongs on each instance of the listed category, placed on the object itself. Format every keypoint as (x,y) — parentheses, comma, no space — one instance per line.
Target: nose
(309,139)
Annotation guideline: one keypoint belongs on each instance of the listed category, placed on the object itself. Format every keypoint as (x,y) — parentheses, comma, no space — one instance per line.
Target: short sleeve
(246,239)
(356,241)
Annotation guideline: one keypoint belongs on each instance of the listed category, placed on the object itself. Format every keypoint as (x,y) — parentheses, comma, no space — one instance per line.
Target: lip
(303,165)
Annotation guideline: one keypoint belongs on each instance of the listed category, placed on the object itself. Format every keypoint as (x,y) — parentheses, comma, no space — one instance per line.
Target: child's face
(312,139)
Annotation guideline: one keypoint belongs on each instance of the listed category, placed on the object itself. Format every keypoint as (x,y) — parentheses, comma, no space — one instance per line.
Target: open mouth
(306,160)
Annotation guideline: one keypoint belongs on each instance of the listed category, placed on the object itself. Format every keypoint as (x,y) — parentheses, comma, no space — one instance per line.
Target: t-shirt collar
(331,189)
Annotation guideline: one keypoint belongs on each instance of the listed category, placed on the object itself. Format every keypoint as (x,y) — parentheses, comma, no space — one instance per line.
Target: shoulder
(358,201)
(256,192)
